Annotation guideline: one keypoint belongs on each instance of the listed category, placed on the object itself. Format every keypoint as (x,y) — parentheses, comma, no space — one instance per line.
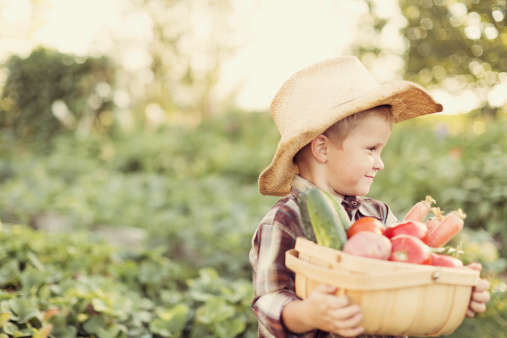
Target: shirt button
(354,204)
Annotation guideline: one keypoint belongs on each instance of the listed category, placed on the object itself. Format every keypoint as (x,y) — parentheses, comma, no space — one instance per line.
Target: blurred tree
(190,42)
(49,91)
(455,45)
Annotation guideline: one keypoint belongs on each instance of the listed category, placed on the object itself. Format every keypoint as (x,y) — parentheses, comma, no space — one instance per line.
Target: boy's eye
(372,148)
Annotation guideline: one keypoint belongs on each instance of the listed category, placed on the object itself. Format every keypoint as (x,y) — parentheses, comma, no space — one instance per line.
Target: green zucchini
(326,223)
(342,214)
(306,224)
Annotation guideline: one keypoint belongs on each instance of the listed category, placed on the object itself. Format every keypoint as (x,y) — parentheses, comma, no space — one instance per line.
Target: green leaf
(214,310)
(159,326)
(15,331)
(43,332)
(31,278)
(172,321)
(229,328)
(9,272)
(4,318)
(25,309)
(95,324)
(35,261)
(99,305)
(111,332)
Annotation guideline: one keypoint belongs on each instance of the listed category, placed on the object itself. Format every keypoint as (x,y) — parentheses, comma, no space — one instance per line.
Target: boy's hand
(331,313)
(480,294)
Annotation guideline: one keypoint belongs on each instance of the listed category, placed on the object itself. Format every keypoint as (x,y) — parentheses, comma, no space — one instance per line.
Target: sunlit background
(132,133)
(255,45)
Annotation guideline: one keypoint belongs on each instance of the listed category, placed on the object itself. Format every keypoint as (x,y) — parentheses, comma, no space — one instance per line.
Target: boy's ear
(319,148)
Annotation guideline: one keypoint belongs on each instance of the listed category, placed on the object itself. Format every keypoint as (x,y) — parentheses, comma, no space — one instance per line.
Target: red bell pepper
(443,260)
(433,221)
(409,249)
(369,224)
(412,228)
(451,224)
(420,210)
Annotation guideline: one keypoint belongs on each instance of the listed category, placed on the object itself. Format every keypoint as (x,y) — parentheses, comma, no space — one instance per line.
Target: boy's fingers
(346,312)
(325,288)
(470,313)
(477,307)
(482,297)
(341,301)
(350,332)
(482,285)
(349,323)
(475,266)
(336,302)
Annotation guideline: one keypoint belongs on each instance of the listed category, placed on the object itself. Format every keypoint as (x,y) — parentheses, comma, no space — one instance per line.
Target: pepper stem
(430,200)
(437,212)
(447,250)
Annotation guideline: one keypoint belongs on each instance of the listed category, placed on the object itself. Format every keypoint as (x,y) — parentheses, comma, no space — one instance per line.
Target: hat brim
(407,100)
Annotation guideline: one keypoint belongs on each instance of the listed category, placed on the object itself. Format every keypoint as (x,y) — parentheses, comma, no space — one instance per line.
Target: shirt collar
(301,184)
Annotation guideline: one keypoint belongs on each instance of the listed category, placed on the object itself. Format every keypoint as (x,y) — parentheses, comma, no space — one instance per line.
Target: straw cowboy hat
(316,97)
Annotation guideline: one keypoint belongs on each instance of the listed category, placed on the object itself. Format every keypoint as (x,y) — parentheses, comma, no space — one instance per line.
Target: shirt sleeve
(273,282)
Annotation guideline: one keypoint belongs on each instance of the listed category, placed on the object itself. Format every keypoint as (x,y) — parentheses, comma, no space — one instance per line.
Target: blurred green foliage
(459,161)
(162,181)
(193,190)
(49,92)
(74,286)
(455,45)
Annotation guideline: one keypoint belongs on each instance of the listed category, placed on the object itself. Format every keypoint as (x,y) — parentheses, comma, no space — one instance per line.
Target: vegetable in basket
(444,260)
(328,220)
(412,228)
(409,249)
(451,224)
(369,224)
(420,210)
(433,221)
(368,244)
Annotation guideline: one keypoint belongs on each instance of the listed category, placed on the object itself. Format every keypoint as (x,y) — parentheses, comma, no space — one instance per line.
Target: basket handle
(375,281)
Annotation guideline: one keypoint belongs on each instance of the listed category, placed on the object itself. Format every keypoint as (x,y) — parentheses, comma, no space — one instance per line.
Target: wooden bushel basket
(395,298)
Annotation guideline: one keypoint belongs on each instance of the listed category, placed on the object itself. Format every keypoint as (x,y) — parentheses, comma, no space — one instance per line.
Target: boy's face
(351,167)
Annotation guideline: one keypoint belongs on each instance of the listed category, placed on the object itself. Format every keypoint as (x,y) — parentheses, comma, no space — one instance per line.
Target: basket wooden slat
(395,298)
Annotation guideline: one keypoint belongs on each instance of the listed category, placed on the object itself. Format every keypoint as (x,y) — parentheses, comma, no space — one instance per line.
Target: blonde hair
(341,129)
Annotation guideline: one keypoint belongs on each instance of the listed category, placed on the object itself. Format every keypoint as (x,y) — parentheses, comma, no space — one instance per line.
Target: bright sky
(284,36)
(274,38)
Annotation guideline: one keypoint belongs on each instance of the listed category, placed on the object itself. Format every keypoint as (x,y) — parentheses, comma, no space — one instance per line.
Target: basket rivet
(435,275)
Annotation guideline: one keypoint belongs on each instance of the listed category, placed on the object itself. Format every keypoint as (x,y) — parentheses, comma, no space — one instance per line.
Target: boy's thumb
(326,288)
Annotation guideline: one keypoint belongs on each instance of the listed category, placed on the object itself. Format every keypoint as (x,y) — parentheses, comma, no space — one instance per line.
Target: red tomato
(412,228)
(443,260)
(368,244)
(409,249)
(369,224)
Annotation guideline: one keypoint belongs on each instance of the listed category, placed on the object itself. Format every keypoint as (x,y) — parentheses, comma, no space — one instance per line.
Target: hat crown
(308,96)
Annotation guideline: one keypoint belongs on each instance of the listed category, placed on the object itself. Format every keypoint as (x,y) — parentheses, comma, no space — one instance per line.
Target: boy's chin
(358,189)
(361,191)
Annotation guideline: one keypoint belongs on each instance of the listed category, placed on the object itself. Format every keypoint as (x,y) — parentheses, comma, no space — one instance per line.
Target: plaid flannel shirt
(273,282)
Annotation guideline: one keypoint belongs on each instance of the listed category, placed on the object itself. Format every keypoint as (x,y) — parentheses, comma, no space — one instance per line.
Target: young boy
(334,120)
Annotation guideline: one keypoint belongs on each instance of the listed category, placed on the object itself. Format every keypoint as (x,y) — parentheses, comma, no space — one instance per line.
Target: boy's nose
(379,164)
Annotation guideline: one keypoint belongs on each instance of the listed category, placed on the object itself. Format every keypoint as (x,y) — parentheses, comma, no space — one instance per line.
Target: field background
(131,215)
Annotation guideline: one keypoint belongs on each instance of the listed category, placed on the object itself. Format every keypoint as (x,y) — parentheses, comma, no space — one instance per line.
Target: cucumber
(342,214)
(326,222)
(306,224)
